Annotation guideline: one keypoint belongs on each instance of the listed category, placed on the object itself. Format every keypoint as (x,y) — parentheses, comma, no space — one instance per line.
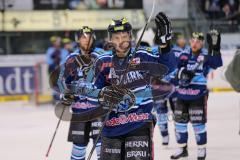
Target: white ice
(26,131)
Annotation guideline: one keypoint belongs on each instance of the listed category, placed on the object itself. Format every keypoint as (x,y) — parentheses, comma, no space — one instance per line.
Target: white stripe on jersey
(92,99)
(148,53)
(139,88)
(146,102)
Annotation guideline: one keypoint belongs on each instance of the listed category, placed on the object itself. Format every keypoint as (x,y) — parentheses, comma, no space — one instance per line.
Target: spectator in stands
(217,9)
(229,7)
(77,4)
(53,60)
(213,8)
(52,52)
(97,4)
(88,4)
(67,48)
(55,53)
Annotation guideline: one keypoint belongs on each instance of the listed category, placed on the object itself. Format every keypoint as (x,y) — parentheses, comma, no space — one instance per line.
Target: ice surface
(26,132)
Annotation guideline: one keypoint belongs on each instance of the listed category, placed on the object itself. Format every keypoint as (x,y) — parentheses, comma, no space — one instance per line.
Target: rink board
(21,78)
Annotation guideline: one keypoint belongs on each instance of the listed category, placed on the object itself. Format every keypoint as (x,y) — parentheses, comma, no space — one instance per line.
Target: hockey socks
(78,152)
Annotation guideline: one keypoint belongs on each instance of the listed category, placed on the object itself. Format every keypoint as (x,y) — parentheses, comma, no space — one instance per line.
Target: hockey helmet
(120,25)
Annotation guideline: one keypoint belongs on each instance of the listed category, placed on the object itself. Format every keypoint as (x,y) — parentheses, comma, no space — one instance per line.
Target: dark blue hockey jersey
(201,64)
(178,50)
(109,69)
(71,73)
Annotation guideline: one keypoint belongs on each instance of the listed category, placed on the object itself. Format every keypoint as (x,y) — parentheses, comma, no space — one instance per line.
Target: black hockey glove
(164,29)
(214,42)
(112,96)
(185,76)
(67,99)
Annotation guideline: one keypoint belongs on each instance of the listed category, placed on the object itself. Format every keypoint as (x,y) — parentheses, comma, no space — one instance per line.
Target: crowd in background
(220,9)
(58,50)
(104,4)
(87,4)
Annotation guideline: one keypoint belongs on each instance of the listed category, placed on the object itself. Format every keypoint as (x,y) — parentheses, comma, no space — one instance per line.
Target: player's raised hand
(164,29)
(214,41)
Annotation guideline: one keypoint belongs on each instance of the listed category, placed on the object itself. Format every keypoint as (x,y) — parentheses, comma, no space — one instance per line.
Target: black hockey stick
(121,81)
(55,132)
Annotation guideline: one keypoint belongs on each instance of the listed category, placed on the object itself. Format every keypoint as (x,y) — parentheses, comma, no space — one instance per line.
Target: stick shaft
(54,135)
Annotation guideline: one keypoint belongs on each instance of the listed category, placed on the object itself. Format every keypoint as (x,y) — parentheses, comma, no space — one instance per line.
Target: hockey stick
(55,132)
(139,41)
(121,81)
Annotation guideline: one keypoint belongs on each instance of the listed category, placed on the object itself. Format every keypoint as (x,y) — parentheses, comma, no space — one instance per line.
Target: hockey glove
(164,29)
(67,99)
(185,76)
(114,95)
(214,42)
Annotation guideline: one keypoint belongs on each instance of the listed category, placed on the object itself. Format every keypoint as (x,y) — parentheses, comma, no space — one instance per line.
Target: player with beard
(124,89)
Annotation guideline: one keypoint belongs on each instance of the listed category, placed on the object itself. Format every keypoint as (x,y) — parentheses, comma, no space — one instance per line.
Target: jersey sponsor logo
(136,154)
(123,119)
(128,78)
(83,105)
(190,91)
(196,112)
(96,124)
(196,118)
(110,150)
(95,132)
(137,144)
(194,66)
(78,132)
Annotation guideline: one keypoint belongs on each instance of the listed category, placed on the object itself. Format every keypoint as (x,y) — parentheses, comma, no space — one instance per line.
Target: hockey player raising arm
(192,94)
(123,88)
(128,130)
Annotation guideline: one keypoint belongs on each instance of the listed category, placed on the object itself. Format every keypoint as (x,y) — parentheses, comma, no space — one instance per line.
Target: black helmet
(85,30)
(198,35)
(121,25)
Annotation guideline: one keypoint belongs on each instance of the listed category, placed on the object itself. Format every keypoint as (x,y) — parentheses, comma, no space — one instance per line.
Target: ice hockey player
(73,72)
(192,94)
(162,110)
(181,44)
(127,133)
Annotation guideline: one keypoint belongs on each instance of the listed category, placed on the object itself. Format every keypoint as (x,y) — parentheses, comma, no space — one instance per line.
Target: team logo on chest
(130,77)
